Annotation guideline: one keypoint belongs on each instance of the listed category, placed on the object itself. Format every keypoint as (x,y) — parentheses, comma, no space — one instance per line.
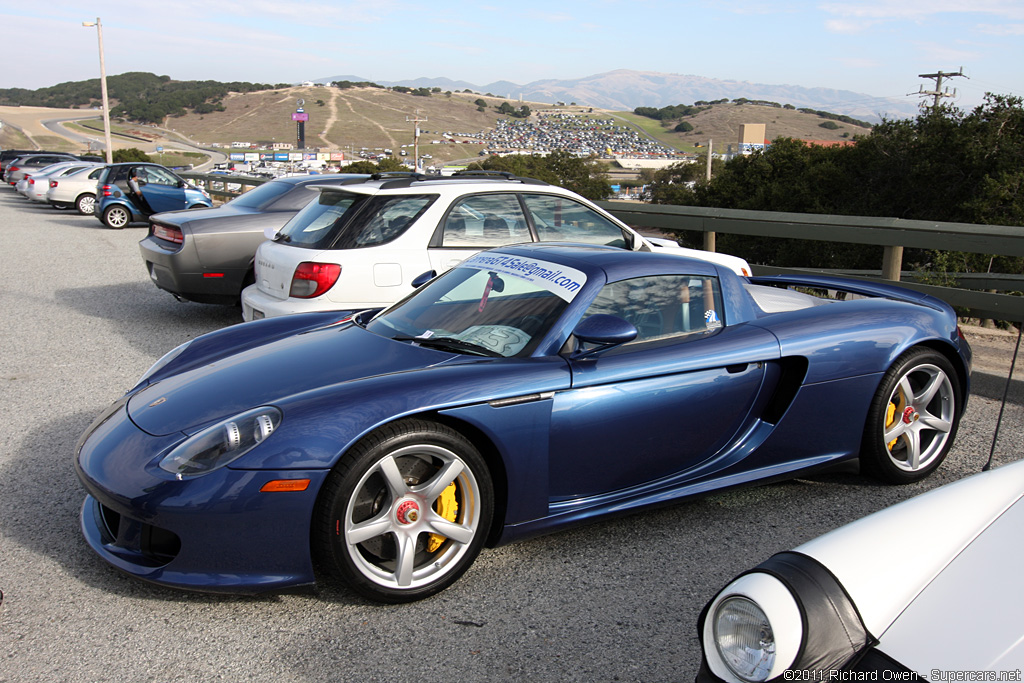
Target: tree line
(944,165)
(137,96)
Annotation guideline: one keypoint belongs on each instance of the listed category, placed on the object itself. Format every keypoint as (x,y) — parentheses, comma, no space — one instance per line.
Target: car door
(662,405)
(475,223)
(161,189)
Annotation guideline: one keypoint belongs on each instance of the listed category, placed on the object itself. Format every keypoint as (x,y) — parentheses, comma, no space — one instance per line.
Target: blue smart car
(131,192)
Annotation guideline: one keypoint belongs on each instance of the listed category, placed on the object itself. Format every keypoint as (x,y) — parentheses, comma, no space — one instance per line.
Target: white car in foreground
(362,243)
(928,589)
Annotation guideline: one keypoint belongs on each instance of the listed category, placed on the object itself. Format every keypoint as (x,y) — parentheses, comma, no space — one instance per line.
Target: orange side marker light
(279,485)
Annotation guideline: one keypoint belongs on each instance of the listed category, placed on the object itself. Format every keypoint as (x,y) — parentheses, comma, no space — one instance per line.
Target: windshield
(260,197)
(348,220)
(491,305)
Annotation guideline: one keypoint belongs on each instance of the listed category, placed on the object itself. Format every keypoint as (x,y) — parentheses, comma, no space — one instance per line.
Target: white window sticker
(561,280)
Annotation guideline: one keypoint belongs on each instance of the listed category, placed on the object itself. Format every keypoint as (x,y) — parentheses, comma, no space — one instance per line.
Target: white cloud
(919,10)
(1001,29)
(859,62)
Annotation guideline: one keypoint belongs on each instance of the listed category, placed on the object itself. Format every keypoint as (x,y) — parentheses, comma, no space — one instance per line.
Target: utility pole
(939,93)
(416,121)
(709,237)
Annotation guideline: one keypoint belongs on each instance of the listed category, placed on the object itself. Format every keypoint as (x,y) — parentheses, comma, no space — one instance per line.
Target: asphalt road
(614,601)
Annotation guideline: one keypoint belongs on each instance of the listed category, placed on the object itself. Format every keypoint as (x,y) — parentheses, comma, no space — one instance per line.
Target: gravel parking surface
(614,601)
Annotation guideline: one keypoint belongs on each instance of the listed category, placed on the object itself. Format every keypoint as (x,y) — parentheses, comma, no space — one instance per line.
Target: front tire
(913,418)
(405,512)
(86,204)
(116,217)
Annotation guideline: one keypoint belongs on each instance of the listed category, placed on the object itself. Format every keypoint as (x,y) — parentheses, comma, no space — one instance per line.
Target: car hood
(973,602)
(918,539)
(270,373)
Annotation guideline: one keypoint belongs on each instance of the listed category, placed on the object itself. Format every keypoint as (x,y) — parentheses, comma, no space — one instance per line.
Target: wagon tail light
(313,279)
(166,232)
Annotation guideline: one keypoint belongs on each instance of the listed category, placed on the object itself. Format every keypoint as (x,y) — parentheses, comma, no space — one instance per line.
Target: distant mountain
(625,90)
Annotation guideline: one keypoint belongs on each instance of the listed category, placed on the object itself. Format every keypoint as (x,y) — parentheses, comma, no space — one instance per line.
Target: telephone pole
(416,121)
(939,93)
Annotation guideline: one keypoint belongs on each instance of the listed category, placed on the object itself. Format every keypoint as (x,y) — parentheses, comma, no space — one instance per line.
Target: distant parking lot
(615,601)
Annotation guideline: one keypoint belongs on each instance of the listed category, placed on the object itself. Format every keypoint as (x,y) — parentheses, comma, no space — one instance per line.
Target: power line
(939,93)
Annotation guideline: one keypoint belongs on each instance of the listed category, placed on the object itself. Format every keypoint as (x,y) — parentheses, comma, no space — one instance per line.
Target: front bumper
(215,533)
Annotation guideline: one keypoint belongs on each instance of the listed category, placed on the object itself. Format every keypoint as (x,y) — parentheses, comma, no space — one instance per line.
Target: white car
(364,242)
(76,190)
(25,181)
(927,589)
(37,184)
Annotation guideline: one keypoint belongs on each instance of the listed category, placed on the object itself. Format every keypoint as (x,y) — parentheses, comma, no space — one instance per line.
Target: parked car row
(117,194)
(345,242)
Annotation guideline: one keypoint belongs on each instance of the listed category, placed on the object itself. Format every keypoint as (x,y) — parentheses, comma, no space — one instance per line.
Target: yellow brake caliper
(891,411)
(448,507)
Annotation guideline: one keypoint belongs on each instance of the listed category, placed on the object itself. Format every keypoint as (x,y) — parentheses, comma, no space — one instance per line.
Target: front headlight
(756,628)
(744,638)
(221,444)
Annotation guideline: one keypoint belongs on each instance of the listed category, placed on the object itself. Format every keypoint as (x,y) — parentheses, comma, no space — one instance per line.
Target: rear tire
(86,204)
(913,418)
(405,512)
(116,217)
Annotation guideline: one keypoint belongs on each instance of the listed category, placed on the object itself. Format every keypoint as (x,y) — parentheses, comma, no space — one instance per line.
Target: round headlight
(753,630)
(744,638)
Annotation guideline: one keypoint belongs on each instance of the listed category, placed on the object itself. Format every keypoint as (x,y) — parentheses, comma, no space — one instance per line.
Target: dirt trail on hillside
(391,139)
(332,118)
(251,112)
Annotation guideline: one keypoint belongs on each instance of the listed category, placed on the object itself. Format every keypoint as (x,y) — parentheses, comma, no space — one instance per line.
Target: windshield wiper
(450,344)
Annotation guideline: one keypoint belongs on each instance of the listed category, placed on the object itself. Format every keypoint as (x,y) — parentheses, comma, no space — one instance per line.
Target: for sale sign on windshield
(561,280)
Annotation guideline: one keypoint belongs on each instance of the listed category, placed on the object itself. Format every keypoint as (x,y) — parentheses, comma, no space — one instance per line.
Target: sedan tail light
(167,232)
(313,279)
(53,183)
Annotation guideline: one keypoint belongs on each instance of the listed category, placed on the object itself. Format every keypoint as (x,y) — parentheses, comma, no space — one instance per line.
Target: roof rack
(398,179)
(476,174)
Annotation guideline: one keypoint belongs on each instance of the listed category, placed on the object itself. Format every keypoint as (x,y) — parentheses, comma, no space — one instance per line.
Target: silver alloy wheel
(404,516)
(116,217)
(922,405)
(86,204)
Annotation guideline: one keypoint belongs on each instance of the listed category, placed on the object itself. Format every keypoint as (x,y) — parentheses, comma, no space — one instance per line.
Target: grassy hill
(377,118)
(343,119)
(721,123)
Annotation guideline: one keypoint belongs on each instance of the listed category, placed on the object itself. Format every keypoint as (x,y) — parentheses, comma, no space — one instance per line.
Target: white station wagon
(363,243)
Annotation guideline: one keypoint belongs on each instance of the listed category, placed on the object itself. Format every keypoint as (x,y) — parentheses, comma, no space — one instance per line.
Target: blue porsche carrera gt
(530,388)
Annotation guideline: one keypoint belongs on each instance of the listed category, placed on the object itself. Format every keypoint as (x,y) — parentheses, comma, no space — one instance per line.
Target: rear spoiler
(872,288)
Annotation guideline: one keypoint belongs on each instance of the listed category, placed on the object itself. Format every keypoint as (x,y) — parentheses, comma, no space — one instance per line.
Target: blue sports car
(530,388)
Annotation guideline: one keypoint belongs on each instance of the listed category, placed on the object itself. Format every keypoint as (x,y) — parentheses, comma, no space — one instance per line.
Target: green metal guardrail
(221,186)
(891,233)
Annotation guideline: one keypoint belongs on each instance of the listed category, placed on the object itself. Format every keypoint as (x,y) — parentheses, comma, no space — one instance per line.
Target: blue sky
(875,47)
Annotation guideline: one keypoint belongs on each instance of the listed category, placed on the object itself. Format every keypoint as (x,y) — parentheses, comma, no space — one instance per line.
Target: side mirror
(603,331)
(423,278)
